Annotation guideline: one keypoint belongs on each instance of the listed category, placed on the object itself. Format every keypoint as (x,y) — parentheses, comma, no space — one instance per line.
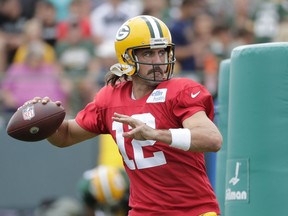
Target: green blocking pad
(257,155)
(223,102)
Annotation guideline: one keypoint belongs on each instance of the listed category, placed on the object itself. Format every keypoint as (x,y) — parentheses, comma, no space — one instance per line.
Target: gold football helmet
(142,32)
(106,184)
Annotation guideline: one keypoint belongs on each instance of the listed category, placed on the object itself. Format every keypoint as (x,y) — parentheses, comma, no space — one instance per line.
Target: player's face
(152,64)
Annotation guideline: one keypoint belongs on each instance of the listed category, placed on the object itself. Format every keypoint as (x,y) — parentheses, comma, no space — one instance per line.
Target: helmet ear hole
(126,58)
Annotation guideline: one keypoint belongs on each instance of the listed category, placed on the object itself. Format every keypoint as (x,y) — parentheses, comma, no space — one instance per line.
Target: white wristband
(181,138)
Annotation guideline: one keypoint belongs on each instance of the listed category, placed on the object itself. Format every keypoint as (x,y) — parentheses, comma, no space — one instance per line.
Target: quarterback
(161,125)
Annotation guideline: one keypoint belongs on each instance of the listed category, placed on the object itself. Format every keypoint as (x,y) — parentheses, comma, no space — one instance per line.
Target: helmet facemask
(167,72)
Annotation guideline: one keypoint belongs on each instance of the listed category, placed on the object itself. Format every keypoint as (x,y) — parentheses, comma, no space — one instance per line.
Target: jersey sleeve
(91,118)
(191,100)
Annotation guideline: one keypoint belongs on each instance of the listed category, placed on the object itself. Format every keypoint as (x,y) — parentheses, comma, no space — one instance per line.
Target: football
(35,122)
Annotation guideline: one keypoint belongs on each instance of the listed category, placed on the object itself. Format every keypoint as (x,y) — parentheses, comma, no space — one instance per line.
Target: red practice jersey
(163,180)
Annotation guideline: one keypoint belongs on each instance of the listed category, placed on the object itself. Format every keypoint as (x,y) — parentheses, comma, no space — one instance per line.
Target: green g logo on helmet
(122,33)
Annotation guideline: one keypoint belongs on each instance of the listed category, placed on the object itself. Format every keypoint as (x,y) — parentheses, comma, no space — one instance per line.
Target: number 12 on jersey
(138,146)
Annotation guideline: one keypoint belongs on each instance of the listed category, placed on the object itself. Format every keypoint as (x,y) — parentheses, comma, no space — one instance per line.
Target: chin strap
(120,69)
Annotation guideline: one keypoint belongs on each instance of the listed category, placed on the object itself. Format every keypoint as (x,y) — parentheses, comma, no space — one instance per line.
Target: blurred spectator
(78,12)
(80,9)
(32,35)
(75,56)
(221,41)
(266,22)
(11,27)
(242,18)
(96,3)
(202,36)
(206,61)
(242,37)
(28,8)
(282,8)
(282,35)
(62,8)
(183,36)
(270,21)
(105,57)
(46,14)
(31,78)
(108,17)
(159,9)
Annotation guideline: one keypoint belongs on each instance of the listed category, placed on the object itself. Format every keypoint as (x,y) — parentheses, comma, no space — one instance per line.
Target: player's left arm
(204,135)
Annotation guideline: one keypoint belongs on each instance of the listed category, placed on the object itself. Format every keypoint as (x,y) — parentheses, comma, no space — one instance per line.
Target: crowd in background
(63,49)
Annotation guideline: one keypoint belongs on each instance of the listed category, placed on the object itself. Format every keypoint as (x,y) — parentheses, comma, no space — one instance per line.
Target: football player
(162,125)
(105,191)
